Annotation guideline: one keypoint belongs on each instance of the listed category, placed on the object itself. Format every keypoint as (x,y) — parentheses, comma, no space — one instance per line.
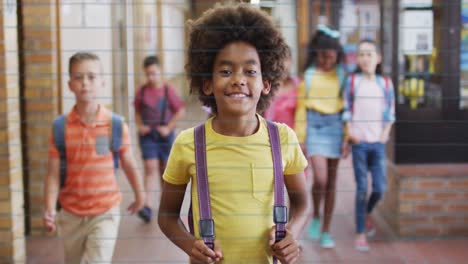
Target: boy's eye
(225,72)
(251,72)
(78,77)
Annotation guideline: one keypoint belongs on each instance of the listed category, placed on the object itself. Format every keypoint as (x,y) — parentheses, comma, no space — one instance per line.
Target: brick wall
(427,200)
(40,58)
(12,242)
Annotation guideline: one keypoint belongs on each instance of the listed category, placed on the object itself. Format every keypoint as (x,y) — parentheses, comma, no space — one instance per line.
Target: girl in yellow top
(318,123)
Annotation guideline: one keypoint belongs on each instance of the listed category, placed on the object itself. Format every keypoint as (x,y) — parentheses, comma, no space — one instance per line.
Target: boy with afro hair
(235,62)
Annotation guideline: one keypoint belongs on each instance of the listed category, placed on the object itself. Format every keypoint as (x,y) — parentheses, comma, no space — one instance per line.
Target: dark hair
(321,41)
(378,69)
(225,24)
(81,56)
(151,60)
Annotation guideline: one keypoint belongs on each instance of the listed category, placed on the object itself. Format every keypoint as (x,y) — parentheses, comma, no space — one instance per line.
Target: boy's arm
(139,121)
(289,249)
(52,186)
(169,216)
(300,205)
(172,226)
(142,128)
(177,116)
(129,167)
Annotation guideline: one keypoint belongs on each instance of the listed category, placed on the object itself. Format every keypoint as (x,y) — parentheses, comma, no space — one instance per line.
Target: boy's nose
(239,79)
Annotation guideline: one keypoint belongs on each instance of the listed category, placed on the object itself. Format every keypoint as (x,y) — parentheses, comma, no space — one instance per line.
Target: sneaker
(314,229)
(370,227)
(360,244)
(146,214)
(326,241)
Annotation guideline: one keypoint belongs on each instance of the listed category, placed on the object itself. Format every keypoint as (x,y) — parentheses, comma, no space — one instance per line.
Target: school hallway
(144,243)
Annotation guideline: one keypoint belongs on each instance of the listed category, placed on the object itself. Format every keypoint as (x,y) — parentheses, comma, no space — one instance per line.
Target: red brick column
(41,93)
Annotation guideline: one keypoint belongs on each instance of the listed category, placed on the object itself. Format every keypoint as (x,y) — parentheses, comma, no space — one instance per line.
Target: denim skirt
(324,134)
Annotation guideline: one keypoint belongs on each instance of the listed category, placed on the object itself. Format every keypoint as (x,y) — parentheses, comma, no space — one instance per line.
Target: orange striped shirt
(91,186)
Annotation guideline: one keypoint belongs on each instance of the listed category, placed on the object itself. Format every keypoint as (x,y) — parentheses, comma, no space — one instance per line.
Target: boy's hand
(201,253)
(288,250)
(49,221)
(138,204)
(143,130)
(164,131)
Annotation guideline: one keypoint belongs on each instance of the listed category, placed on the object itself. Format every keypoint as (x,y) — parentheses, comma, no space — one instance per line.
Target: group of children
(237,61)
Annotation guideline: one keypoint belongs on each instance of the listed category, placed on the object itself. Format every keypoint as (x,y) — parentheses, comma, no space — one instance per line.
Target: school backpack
(60,144)
(206,223)
(385,87)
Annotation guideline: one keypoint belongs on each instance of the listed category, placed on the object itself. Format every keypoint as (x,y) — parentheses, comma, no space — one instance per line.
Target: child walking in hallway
(369,115)
(235,61)
(85,148)
(319,125)
(157,110)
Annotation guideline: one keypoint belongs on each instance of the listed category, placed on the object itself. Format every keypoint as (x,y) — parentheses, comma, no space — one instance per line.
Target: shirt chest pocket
(262,182)
(102,145)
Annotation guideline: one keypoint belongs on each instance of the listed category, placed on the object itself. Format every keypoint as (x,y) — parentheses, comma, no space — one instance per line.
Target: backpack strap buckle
(280,214)
(207,228)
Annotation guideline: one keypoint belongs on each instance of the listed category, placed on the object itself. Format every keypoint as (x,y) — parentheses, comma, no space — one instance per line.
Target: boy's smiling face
(237,82)
(85,80)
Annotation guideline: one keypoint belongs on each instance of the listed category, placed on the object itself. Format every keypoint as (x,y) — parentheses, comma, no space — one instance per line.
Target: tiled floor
(144,243)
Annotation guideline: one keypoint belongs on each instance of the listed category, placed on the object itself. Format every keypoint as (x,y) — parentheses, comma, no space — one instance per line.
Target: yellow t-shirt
(240,178)
(323,96)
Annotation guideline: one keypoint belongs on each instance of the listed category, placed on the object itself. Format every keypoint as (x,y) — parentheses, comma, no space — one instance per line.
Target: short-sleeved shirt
(367,119)
(322,96)
(150,101)
(283,108)
(240,178)
(90,187)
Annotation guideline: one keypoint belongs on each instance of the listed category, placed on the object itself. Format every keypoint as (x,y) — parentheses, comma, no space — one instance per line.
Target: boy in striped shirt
(89,196)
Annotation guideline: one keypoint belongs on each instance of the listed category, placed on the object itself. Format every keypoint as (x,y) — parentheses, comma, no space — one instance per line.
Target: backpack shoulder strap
(280,210)
(116,137)
(164,105)
(206,223)
(59,142)
(309,72)
(340,72)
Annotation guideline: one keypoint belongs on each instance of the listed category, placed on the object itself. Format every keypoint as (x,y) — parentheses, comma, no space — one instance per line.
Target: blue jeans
(368,157)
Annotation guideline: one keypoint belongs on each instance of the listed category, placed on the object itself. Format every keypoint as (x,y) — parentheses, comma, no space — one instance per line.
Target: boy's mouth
(237,95)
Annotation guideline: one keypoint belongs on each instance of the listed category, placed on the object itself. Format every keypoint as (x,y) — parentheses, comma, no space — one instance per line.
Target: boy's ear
(207,87)
(69,85)
(266,87)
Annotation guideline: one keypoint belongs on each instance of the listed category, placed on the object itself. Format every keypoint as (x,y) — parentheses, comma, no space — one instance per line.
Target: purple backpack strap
(206,223)
(280,211)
